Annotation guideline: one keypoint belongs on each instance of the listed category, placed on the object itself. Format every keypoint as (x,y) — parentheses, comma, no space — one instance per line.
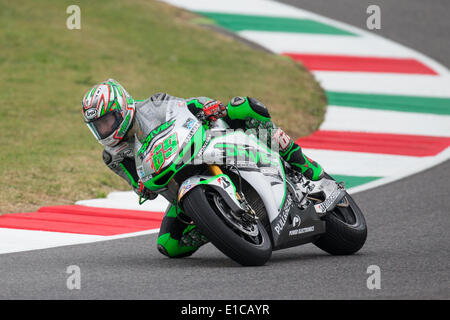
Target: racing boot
(322,184)
(288,149)
(292,154)
(178,238)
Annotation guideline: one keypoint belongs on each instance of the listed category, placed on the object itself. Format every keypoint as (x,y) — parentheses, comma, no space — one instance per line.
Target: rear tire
(346,230)
(227,239)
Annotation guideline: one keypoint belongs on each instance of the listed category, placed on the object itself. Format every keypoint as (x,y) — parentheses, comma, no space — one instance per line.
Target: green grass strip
(237,22)
(390,102)
(352,181)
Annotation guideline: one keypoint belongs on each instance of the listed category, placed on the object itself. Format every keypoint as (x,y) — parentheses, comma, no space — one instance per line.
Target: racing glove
(214,109)
(144,193)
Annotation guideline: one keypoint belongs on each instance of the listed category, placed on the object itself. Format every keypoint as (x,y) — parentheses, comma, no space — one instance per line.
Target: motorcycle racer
(116,120)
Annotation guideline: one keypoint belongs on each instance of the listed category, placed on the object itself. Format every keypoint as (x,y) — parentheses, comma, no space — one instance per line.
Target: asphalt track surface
(408,226)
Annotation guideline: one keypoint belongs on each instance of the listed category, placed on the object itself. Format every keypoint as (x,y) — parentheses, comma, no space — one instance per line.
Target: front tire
(232,242)
(346,230)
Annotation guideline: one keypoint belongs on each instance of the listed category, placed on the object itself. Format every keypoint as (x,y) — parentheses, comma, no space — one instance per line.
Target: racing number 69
(164,151)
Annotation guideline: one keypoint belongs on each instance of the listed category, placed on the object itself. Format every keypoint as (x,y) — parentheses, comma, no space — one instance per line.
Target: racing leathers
(178,237)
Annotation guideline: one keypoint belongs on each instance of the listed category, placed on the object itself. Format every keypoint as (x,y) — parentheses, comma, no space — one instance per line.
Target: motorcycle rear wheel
(346,230)
(244,249)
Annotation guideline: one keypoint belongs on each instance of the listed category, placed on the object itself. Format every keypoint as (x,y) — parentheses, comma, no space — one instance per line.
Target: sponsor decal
(184,189)
(225,182)
(154,133)
(189,123)
(162,152)
(282,139)
(270,171)
(246,152)
(328,201)
(205,145)
(296,221)
(140,172)
(301,231)
(193,131)
(90,114)
(284,215)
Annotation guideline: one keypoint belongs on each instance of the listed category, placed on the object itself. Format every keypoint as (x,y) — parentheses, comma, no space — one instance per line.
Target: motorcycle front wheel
(246,243)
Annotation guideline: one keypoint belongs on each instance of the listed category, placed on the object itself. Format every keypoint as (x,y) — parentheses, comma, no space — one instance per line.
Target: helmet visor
(104,126)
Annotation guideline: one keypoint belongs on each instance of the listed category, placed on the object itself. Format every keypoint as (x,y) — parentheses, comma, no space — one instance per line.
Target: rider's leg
(250,113)
(292,153)
(177,238)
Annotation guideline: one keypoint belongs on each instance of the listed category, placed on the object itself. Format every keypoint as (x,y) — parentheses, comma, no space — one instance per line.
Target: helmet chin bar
(111,140)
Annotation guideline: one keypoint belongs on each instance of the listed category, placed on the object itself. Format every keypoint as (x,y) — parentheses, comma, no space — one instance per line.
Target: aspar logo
(90,114)
(296,221)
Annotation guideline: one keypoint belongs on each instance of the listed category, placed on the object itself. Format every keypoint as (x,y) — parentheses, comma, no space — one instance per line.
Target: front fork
(215,169)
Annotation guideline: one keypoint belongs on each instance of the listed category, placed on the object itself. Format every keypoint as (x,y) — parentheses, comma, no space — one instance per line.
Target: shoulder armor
(158,98)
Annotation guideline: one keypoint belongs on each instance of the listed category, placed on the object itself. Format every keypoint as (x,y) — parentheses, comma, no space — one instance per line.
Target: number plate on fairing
(164,143)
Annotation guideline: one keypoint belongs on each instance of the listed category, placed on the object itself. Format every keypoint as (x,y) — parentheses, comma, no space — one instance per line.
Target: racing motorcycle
(241,194)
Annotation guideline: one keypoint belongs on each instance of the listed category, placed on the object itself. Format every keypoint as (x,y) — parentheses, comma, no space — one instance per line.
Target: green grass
(48,156)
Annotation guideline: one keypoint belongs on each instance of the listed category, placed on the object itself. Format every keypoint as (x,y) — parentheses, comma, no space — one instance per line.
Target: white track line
(383,83)
(249,7)
(383,121)
(15,240)
(280,42)
(126,200)
(18,240)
